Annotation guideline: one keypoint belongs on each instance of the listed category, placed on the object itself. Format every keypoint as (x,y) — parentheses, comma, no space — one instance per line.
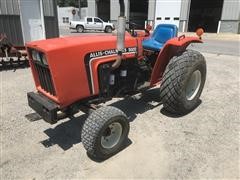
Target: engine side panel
(93,64)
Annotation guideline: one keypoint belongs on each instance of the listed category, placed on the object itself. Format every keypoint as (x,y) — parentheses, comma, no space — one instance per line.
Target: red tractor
(79,73)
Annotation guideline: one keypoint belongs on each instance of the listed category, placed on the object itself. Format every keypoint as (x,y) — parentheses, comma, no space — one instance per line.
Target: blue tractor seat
(161,34)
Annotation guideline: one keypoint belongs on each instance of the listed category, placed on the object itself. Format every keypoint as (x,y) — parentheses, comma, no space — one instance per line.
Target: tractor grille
(45,78)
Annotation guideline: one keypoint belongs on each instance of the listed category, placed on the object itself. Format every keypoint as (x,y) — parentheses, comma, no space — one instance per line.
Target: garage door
(167,12)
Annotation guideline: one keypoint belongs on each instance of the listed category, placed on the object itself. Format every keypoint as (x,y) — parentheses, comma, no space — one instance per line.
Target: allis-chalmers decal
(111,52)
(90,57)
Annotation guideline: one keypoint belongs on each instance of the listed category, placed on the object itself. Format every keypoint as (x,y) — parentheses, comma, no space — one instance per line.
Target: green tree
(61,3)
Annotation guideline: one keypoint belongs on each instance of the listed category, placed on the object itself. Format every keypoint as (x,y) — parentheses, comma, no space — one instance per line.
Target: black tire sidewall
(104,152)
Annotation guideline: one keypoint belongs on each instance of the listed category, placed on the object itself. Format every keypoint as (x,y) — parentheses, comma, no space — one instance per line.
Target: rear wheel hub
(193,85)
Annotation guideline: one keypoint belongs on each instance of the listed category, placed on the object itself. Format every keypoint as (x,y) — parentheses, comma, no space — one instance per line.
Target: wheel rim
(111,135)
(193,85)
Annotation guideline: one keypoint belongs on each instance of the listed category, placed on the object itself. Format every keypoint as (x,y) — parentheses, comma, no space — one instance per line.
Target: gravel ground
(202,144)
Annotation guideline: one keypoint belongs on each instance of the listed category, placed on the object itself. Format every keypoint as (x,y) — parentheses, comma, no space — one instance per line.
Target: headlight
(40,57)
(44,59)
(36,55)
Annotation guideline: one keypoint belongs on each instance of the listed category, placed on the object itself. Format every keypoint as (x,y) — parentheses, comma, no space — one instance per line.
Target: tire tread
(173,77)
(93,125)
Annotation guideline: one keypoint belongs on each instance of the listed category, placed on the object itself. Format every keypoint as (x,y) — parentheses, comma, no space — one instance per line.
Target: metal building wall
(92,8)
(50,18)
(230,20)
(10,7)
(184,15)
(115,10)
(231,10)
(151,11)
(10,22)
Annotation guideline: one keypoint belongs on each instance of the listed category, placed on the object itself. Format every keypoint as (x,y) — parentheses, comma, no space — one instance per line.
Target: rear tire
(183,82)
(80,28)
(104,132)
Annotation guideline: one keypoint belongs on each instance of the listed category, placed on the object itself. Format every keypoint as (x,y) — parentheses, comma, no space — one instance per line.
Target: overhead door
(167,12)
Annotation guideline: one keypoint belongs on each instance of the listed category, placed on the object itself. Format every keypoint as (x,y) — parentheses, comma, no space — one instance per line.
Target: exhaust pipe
(120,35)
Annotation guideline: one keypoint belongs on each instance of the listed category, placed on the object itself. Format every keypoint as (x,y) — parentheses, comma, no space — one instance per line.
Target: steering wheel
(133,26)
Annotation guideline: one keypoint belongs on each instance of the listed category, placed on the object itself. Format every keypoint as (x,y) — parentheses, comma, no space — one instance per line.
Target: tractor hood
(69,60)
(85,42)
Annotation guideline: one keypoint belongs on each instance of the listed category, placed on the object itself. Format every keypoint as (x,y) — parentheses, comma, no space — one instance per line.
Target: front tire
(183,82)
(104,132)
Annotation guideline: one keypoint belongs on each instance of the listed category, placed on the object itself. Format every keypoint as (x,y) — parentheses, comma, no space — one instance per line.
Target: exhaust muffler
(120,35)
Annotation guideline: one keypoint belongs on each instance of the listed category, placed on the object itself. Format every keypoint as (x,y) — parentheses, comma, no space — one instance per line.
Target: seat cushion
(152,44)
(161,35)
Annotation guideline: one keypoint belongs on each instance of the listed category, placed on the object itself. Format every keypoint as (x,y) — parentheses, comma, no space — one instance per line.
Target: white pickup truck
(92,23)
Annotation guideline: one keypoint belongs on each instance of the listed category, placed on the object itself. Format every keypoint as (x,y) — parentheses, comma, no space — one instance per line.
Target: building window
(65,19)
(167,18)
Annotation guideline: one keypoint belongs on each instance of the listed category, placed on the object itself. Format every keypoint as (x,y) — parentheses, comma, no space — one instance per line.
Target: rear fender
(172,48)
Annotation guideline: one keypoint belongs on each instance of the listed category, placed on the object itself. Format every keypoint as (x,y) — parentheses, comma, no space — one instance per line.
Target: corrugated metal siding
(10,24)
(9,7)
(10,21)
(231,10)
(114,9)
(185,8)
(92,7)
